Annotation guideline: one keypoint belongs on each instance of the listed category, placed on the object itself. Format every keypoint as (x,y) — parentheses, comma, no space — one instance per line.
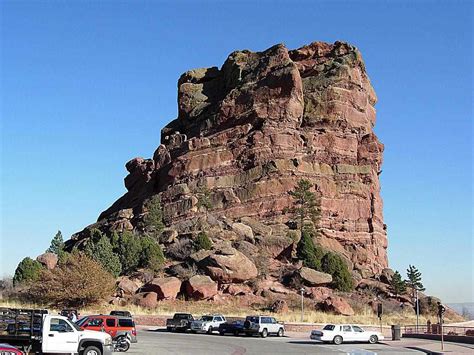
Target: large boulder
(229,265)
(146,299)
(337,305)
(244,231)
(319,294)
(258,228)
(200,287)
(166,288)
(48,260)
(312,277)
(127,285)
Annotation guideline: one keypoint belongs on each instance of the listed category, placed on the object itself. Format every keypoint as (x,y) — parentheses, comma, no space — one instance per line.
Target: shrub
(151,255)
(128,247)
(78,283)
(26,271)
(336,266)
(137,251)
(100,249)
(203,242)
(308,252)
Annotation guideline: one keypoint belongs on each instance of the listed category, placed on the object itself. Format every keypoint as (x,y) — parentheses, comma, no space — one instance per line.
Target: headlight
(108,341)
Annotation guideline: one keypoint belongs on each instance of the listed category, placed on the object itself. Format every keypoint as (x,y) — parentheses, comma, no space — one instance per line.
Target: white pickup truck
(36,330)
(263,326)
(207,324)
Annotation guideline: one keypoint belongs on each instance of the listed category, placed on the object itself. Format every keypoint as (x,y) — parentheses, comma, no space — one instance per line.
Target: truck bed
(21,324)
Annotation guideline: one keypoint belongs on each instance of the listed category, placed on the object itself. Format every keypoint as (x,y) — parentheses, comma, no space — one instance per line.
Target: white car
(339,333)
(207,324)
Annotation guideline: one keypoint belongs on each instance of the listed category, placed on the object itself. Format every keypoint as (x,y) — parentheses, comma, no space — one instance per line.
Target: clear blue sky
(86,86)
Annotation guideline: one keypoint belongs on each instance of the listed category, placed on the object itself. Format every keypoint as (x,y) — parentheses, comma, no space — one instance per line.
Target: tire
(264,333)
(236,333)
(337,340)
(193,331)
(169,329)
(222,332)
(209,331)
(373,339)
(92,350)
(281,332)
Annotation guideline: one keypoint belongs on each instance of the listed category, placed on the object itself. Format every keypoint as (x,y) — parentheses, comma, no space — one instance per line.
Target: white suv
(263,326)
(207,324)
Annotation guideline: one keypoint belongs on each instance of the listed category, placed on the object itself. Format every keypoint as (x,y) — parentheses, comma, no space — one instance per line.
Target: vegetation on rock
(306,205)
(101,250)
(153,220)
(136,251)
(203,242)
(335,265)
(308,252)
(78,282)
(28,270)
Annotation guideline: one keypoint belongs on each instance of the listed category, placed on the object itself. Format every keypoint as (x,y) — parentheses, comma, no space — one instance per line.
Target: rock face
(247,132)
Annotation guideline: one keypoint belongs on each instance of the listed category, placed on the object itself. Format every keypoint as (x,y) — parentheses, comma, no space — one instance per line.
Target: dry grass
(232,309)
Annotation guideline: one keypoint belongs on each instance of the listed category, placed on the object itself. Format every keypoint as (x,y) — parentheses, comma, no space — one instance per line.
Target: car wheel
(373,339)
(209,331)
(337,340)
(193,331)
(92,350)
(281,332)
(264,333)
(221,332)
(169,329)
(236,332)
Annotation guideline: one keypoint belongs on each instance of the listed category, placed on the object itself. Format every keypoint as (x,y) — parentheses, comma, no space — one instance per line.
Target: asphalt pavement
(159,341)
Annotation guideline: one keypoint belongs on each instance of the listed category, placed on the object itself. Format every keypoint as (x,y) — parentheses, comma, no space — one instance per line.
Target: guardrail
(435,329)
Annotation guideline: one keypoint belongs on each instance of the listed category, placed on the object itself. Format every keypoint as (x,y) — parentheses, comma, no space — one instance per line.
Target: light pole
(416,309)
(302,303)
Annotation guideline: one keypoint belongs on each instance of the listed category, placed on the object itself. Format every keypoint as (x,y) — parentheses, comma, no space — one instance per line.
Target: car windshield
(206,318)
(81,321)
(76,326)
(329,327)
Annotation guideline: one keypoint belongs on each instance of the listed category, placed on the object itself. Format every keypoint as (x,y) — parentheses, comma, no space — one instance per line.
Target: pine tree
(397,285)
(57,244)
(414,280)
(306,204)
(26,271)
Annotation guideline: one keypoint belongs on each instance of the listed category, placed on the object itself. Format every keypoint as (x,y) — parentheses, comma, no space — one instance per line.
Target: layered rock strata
(245,134)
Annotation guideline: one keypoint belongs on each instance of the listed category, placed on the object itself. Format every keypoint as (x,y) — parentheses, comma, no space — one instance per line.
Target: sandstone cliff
(247,132)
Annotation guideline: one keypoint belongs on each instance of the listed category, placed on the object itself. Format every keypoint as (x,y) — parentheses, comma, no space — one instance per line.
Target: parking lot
(158,341)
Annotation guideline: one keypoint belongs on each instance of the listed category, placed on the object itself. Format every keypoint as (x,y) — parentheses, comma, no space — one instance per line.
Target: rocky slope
(244,135)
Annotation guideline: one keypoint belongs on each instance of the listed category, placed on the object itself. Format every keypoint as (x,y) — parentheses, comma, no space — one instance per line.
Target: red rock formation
(247,132)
